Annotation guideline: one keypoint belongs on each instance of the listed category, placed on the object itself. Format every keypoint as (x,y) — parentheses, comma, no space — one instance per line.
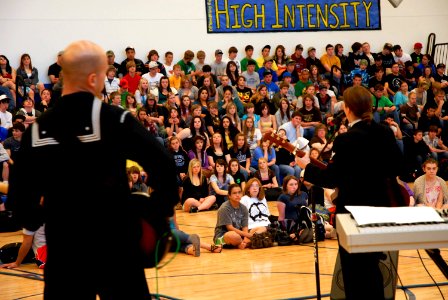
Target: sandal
(213,248)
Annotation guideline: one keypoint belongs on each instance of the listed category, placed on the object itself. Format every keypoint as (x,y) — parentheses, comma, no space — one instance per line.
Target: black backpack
(9,253)
(305,222)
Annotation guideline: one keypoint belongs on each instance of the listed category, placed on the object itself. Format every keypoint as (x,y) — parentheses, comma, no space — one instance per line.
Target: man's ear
(91,80)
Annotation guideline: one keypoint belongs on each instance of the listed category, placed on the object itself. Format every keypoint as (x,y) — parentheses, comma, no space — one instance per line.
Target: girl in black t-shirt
(241,152)
(234,170)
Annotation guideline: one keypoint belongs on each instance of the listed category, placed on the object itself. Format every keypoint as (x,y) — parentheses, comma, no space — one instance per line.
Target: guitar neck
(277,141)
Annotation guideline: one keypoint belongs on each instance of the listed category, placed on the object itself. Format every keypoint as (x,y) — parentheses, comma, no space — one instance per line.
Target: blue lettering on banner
(229,16)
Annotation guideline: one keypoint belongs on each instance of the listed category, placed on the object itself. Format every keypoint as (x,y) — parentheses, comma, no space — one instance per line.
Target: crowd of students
(212,115)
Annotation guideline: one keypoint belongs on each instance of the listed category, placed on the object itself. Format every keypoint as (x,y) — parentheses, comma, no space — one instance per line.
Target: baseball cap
(418,46)
(4,98)
(124,83)
(299,47)
(322,87)
(218,51)
(110,53)
(60,53)
(290,62)
(152,65)
(286,74)
(267,47)
(267,72)
(441,66)
(311,49)
(378,57)
(129,48)
(305,70)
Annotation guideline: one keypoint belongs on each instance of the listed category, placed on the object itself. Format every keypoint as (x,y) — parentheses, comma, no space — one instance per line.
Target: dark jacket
(365,158)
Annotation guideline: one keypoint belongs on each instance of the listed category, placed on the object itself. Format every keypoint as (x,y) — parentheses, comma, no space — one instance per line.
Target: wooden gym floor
(272,273)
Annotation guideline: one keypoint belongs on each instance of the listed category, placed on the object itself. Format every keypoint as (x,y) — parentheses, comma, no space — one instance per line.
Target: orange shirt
(330,61)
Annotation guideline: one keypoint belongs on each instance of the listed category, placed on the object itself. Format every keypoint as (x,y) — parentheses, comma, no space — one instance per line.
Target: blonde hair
(191,164)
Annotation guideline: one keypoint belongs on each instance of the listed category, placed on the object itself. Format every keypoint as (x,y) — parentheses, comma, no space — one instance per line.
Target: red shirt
(132,82)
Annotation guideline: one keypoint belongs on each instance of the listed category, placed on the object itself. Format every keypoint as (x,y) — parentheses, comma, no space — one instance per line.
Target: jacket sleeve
(142,147)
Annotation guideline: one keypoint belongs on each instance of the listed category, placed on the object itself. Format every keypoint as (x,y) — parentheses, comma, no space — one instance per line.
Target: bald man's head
(84,66)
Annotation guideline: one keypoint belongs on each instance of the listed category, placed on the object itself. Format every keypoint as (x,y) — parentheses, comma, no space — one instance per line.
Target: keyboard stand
(438,260)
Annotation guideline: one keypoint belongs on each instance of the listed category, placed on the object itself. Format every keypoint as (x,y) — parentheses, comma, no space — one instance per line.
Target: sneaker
(220,241)
(196,241)
(214,206)
(193,209)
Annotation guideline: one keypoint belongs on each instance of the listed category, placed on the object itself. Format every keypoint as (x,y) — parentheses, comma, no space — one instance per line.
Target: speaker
(388,268)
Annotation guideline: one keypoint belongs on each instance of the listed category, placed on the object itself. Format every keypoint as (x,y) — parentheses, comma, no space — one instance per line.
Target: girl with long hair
(234,170)
(173,123)
(255,201)
(228,131)
(210,86)
(197,127)
(198,151)
(267,122)
(232,72)
(240,150)
(260,97)
(268,179)
(7,76)
(220,181)
(217,150)
(283,114)
(30,75)
(141,94)
(180,158)
(252,134)
(291,197)
(187,88)
(195,195)
(163,91)
(185,109)
(232,113)
(203,99)
(280,58)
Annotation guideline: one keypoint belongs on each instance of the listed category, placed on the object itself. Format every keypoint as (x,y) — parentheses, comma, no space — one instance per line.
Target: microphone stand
(316,247)
(314,219)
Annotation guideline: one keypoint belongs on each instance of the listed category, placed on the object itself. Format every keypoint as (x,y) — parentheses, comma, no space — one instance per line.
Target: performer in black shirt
(74,157)
(366,160)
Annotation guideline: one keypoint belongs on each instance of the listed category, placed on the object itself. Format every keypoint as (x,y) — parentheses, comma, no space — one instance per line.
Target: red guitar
(156,235)
(279,142)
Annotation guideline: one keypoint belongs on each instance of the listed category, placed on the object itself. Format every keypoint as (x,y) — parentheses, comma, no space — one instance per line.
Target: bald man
(75,156)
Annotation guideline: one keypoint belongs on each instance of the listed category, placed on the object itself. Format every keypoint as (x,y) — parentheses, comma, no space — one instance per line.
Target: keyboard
(391,237)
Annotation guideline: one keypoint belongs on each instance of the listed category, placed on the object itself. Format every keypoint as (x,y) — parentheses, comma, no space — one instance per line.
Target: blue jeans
(184,240)
(377,117)
(286,170)
(308,133)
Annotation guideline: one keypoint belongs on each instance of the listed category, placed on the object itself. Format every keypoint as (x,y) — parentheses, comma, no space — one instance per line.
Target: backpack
(305,222)
(9,253)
